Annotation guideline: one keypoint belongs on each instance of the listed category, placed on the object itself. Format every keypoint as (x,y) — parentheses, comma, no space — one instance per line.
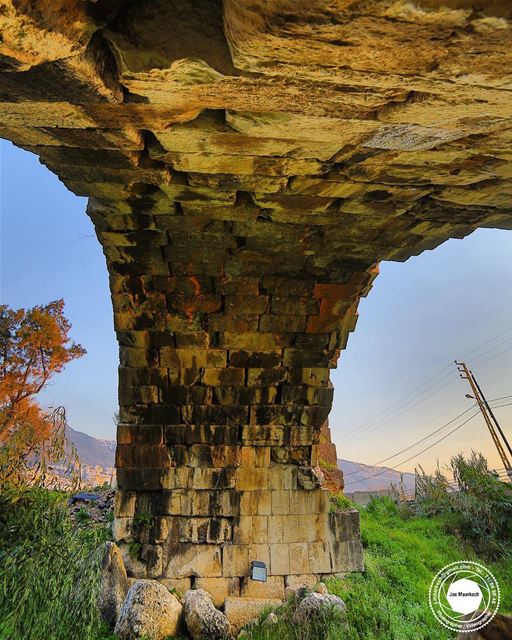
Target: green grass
(389,601)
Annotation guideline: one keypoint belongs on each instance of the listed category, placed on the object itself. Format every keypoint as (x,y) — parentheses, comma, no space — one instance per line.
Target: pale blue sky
(418,318)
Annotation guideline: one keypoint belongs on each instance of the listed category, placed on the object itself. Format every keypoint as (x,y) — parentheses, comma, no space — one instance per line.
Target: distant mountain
(92,451)
(363,477)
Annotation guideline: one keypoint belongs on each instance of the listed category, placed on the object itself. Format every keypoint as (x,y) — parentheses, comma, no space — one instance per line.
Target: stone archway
(245,177)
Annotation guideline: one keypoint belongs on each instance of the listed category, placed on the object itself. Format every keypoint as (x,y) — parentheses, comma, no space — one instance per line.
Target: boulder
(113,584)
(313,604)
(203,620)
(149,611)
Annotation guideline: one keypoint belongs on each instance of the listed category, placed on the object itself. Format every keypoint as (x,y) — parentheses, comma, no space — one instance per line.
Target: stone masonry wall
(248,164)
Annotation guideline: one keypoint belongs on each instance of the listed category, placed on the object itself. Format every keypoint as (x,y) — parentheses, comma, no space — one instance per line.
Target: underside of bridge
(248,164)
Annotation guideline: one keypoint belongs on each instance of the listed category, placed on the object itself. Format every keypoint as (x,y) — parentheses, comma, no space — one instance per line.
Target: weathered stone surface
(313,603)
(248,164)
(113,585)
(203,620)
(241,611)
(149,611)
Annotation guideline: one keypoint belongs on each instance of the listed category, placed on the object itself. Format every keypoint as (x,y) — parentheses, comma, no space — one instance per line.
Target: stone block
(299,558)
(235,561)
(205,530)
(260,552)
(219,588)
(291,528)
(152,557)
(262,457)
(280,503)
(319,557)
(299,502)
(272,588)
(261,435)
(259,532)
(261,377)
(122,528)
(308,528)
(200,560)
(262,502)
(226,376)
(243,530)
(251,479)
(279,560)
(275,529)
(124,503)
(282,477)
(241,611)
(309,580)
(179,585)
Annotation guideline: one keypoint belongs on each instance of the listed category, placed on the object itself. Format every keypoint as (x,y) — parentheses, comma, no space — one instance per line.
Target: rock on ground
(113,584)
(203,620)
(313,603)
(149,611)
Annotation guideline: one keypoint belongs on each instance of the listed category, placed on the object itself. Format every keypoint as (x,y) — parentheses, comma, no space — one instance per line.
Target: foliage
(34,346)
(49,569)
(338,502)
(480,512)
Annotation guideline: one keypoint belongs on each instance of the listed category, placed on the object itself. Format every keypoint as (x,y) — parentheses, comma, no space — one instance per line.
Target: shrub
(480,512)
(49,569)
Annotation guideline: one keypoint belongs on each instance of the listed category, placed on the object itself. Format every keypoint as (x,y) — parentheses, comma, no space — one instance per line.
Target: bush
(49,569)
(480,512)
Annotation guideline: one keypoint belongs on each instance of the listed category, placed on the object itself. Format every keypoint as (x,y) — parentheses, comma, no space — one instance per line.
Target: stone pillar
(223,389)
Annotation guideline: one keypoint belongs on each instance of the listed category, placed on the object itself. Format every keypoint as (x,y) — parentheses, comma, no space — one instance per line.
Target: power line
(465,355)
(396,414)
(494,356)
(500,398)
(400,401)
(418,441)
(422,451)
(391,412)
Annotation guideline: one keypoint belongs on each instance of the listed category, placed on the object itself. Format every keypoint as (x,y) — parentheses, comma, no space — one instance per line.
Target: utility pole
(483,405)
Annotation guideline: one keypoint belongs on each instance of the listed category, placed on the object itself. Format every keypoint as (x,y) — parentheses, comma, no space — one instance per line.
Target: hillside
(93,451)
(364,477)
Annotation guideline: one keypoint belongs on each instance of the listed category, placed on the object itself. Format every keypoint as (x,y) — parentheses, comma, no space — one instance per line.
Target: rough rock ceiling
(364,130)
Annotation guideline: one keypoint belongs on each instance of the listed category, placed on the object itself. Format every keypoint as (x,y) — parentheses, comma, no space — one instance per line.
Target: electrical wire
(375,464)
(391,413)
(420,452)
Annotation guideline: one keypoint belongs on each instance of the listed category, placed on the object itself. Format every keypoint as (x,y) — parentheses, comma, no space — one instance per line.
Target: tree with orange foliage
(34,346)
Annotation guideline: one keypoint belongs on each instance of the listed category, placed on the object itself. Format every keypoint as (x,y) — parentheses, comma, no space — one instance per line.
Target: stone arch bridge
(248,164)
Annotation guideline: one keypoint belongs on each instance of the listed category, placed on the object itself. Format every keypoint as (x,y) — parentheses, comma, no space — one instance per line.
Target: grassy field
(48,577)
